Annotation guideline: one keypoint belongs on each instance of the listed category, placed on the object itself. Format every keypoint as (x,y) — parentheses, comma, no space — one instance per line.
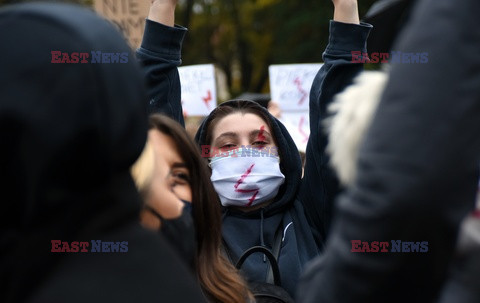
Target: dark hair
(218,278)
(236,106)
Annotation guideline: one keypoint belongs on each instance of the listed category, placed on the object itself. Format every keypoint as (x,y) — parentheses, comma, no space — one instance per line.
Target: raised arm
(320,185)
(160,55)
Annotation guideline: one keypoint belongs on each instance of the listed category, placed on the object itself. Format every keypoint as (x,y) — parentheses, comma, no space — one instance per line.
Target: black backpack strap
(273,262)
(277,243)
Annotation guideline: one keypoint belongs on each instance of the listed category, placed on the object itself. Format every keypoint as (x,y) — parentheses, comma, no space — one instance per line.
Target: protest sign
(199,93)
(127,15)
(290,85)
(298,126)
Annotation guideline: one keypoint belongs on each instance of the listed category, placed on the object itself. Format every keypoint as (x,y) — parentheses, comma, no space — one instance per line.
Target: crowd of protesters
(107,198)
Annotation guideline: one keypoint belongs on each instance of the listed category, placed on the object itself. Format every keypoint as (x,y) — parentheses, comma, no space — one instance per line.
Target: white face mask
(241,179)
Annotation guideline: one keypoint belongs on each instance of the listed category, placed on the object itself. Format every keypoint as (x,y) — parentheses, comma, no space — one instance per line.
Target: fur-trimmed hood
(352,111)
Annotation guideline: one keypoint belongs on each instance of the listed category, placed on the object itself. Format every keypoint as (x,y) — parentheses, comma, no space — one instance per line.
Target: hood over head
(69,134)
(290,163)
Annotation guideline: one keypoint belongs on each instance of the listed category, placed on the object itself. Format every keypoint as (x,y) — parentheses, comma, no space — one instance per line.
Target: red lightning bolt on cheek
(261,137)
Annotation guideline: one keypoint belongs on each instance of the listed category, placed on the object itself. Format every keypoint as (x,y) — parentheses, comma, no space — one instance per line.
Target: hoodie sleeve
(160,55)
(417,170)
(343,59)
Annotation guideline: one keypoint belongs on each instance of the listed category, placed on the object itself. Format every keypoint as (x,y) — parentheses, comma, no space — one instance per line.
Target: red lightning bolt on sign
(300,129)
(240,181)
(207,99)
(300,89)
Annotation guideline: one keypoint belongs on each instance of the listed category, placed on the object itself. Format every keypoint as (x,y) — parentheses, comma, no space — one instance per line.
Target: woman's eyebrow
(231,135)
(259,134)
(179,165)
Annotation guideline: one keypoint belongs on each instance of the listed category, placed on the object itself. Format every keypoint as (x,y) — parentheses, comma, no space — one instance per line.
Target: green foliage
(243,37)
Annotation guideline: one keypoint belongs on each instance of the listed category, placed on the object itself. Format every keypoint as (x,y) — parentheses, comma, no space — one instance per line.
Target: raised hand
(163,11)
(346,11)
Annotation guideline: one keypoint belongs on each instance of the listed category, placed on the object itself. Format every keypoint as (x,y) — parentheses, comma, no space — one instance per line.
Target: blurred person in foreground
(416,172)
(192,220)
(69,134)
(352,113)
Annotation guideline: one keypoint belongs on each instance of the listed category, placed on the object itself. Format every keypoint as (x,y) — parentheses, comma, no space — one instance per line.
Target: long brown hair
(218,278)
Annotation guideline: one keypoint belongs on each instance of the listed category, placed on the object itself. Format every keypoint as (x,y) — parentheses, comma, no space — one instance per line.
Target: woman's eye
(225,146)
(180,178)
(259,143)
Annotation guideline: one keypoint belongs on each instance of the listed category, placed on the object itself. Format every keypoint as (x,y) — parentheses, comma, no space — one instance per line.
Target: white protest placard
(199,93)
(290,84)
(298,125)
(127,15)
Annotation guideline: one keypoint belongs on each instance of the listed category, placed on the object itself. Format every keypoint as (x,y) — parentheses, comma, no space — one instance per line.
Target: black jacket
(69,134)
(417,168)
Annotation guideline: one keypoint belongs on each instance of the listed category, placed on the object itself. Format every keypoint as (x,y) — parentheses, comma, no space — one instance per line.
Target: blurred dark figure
(463,284)
(69,133)
(388,18)
(417,172)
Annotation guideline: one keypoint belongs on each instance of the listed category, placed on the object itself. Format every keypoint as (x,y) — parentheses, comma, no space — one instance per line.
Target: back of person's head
(65,126)
(69,133)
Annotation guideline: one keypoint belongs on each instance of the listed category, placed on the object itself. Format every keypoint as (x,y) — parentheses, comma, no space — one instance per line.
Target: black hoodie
(302,207)
(69,133)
